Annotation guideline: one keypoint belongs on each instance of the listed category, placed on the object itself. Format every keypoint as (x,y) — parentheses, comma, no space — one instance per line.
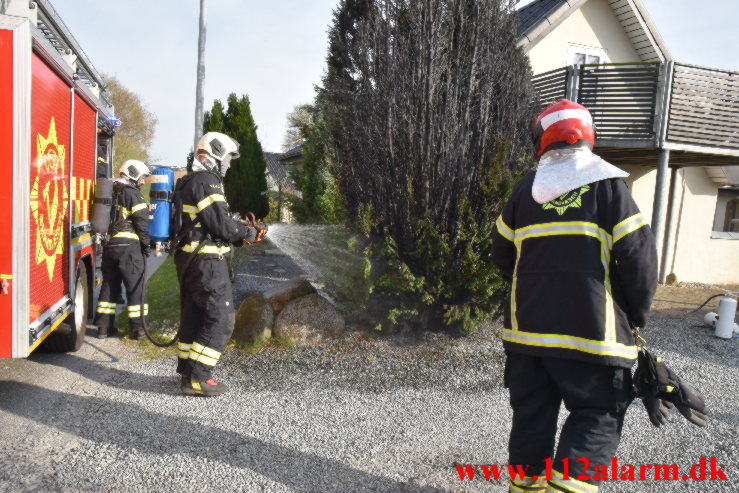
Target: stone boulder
(254,320)
(283,293)
(309,319)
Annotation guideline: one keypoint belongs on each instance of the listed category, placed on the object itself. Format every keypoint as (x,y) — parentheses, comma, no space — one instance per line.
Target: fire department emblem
(567,200)
(49,198)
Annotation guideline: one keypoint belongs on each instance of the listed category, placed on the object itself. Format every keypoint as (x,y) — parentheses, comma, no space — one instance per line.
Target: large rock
(282,294)
(309,319)
(253,320)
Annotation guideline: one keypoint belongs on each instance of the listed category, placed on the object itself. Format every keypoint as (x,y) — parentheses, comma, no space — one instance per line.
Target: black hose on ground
(143,316)
(709,299)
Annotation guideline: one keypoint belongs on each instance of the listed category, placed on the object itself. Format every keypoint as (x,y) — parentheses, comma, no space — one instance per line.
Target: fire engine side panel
(50,188)
(16,100)
(6,191)
(83,178)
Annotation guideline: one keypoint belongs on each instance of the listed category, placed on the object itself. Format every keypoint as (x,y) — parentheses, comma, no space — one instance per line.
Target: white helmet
(219,149)
(134,170)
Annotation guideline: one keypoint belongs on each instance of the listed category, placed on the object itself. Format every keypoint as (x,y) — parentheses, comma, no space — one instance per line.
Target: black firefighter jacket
(203,202)
(583,269)
(130,217)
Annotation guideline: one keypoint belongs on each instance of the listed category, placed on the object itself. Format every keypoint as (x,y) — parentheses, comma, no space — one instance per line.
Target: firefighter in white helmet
(203,233)
(125,252)
(583,266)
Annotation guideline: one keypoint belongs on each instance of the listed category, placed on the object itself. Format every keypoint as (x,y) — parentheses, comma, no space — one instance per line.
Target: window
(581,55)
(726,218)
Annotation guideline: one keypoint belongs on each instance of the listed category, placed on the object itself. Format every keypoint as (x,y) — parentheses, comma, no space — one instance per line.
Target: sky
(275,53)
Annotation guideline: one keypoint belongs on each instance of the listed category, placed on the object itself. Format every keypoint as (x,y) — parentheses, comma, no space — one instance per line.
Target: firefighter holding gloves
(125,252)
(583,267)
(203,232)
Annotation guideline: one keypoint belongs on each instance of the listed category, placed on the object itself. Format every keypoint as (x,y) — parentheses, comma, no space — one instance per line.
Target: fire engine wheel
(70,335)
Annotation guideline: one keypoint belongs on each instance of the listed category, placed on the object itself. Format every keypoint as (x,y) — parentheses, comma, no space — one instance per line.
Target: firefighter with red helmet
(583,268)
(204,232)
(125,252)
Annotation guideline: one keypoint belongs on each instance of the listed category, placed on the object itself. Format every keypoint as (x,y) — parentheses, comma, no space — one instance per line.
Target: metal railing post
(573,82)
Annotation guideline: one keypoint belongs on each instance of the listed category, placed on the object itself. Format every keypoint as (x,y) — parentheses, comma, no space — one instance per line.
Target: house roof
(540,17)
(278,171)
(295,151)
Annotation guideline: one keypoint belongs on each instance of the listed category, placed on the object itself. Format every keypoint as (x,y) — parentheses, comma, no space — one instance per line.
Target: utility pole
(201,73)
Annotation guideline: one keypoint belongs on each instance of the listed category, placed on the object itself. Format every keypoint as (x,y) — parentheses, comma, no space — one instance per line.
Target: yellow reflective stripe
(126,234)
(591,346)
(514,283)
(106,311)
(564,228)
(201,358)
(184,350)
(138,207)
(628,225)
(189,208)
(210,199)
(210,249)
(505,231)
(106,303)
(527,484)
(572,485)
(196,386)
(199,348)
(136,310)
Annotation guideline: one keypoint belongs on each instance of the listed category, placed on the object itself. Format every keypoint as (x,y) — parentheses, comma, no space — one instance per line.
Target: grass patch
(163,298)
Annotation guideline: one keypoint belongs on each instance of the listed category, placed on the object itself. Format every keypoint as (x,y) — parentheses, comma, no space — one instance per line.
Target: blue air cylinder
(162,188)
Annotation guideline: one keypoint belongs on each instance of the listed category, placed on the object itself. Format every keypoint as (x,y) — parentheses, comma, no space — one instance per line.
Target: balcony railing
(653,105)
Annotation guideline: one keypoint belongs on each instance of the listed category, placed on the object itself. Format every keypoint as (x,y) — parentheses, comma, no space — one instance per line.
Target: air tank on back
(162,187)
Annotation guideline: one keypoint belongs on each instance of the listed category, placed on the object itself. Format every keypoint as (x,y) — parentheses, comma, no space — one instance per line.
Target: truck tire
(70,334)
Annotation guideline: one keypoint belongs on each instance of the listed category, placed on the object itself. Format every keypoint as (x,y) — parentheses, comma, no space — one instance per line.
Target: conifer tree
(245,182)
(428,108)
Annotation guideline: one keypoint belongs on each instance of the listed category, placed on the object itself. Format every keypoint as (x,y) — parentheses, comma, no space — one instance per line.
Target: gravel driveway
(358,414)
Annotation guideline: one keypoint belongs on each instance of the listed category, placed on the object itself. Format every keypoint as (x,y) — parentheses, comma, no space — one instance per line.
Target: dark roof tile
(532,14)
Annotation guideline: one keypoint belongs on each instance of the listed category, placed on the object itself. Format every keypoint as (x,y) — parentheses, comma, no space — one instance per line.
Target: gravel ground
(358,414)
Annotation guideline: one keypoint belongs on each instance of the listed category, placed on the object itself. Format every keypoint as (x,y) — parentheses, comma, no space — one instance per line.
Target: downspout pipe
(661,191)
(673,218)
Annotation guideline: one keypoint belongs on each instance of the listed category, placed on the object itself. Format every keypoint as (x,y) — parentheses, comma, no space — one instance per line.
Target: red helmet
(564,123)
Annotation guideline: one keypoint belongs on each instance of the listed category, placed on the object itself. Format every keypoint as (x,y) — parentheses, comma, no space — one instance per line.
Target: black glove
(654,381)
(657,409)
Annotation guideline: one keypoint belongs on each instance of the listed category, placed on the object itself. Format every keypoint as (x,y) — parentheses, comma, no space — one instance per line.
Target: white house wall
(697,257)
(593,25)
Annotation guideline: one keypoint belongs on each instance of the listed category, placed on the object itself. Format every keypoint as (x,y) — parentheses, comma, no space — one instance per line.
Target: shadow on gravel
(112,377)
(164,435)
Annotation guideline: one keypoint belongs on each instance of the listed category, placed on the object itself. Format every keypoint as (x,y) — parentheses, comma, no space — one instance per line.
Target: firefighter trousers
(596,397)
(206,315)
(122,263)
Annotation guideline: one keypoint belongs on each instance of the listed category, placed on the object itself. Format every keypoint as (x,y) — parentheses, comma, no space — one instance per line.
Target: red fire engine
(54,124)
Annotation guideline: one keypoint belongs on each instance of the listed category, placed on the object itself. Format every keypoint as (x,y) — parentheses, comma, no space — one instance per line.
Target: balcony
(642,109)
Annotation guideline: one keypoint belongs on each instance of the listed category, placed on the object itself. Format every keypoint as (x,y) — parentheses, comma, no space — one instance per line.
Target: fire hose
(251,223)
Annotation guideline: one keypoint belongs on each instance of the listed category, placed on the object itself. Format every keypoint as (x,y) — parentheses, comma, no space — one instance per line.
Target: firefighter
(125,252)
(202,239)
(583,267)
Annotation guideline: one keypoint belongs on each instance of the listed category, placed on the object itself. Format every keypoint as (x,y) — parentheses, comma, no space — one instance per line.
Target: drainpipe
(661,191)
(662,187)
(673,219)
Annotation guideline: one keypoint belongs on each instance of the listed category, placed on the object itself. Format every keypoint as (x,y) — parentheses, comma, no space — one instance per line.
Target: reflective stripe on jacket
(133,214)
(204,202)
(583,269)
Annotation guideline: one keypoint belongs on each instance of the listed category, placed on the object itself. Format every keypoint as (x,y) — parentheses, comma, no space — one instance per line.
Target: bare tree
(429,107)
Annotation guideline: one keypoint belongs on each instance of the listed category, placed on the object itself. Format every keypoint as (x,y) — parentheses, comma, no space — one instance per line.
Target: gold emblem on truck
(49,198)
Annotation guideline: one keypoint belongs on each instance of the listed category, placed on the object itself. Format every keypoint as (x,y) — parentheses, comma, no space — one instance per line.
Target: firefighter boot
(104,332)
(206,388)
(137,334)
